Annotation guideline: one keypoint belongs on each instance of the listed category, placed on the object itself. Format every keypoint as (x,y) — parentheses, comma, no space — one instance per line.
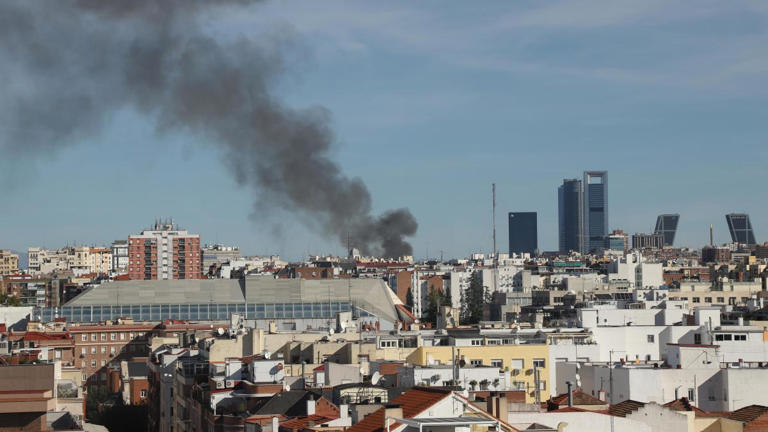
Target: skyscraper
(570,206)
(667,224)
(523,233)
(740,228)
(595,209)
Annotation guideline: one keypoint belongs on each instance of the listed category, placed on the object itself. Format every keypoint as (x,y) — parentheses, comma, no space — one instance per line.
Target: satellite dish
(375,378)
(286,387)
(220,331)
(266,354)
(330,332)
(343,325)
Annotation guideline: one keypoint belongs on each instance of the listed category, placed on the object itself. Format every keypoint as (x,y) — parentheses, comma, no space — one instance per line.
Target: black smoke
(66,66)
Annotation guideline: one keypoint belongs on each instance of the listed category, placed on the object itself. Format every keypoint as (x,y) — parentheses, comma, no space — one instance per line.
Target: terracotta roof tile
(579,398)
(621,409)
(748,413)
(413,402)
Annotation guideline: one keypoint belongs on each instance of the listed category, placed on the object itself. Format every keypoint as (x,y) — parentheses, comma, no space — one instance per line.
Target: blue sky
(434,101)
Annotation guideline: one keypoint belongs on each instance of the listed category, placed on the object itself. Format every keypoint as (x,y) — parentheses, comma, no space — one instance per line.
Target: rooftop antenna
(495,252)
(711,235)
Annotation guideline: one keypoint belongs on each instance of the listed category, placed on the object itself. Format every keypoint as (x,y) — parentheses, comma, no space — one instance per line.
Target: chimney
(570,393)
(275,424)
(502,409)
(343,411)
(391,412)
(311,404)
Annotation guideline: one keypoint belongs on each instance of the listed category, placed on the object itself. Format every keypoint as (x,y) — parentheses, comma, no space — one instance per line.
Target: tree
(409,298)
(475,299)
(434,300)
(9,300)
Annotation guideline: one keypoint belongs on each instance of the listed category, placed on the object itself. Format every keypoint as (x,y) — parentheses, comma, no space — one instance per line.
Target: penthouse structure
(164,252)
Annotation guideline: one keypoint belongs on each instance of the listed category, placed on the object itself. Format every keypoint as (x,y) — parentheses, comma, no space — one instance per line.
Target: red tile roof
(302,422)
(628,406)
(579,398)
(683,404)
(38,336)
(749,413)
(413,402)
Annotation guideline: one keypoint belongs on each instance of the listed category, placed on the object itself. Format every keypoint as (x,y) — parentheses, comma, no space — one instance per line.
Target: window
(84,337)
(93,363)
(494,342)
(143,394)
(697,338)
(723,337)
(103,349)
(477,341)
(650,338)
(104,336)
(93,337)
(388,344)
(739,337)
(112,350)
(57,354)
(130,336)
(122,336)
(707,299)
(542,385)
(103,362)
(476,362)
(82,351)
(93,350)
(112,336)
(538,363)
(82,363)
(692,395)
(518,364)
(85,377)
(731,300)
(696,300)
(497,363)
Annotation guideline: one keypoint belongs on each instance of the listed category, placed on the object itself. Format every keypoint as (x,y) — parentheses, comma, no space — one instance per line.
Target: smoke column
(67,65)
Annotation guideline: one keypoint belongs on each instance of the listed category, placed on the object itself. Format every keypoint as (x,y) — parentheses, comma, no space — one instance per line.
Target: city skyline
(556,93)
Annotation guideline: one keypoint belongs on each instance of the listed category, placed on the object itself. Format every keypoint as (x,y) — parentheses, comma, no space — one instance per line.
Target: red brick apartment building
(98,345)
(164,252)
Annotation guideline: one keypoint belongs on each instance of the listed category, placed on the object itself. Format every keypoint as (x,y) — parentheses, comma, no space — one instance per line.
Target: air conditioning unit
(230,383)
(219,385)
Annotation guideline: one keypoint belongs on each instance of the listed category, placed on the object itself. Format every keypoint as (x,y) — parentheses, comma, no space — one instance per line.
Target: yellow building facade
(519,360)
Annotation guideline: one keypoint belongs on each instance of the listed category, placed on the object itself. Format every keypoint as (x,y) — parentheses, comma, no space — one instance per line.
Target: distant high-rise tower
(523,233)
(667,224)
(595,209)
(570,205)
(740,228)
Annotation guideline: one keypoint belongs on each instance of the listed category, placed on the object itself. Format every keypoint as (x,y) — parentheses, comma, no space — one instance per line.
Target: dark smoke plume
(67,65)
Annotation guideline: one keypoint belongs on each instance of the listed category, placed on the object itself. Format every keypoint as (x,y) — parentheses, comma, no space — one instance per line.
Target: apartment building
(164,252)
(9,262)
(96,346)
(80,260)
(527,363)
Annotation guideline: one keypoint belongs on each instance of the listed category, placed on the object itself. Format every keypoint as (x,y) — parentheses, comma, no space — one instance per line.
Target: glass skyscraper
(570,205)
(595,209)
(667,224)
(523,233)
(740,228)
